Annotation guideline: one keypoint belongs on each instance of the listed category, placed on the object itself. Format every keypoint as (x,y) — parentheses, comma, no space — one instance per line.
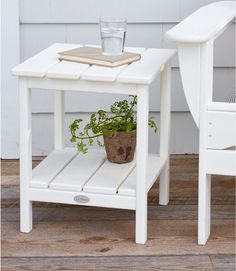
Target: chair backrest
(195,40)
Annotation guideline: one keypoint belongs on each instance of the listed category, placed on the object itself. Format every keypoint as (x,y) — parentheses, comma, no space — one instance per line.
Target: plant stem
(131,109)
(88,137)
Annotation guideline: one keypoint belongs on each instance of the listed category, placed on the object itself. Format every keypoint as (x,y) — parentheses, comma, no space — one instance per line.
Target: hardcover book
(94,56)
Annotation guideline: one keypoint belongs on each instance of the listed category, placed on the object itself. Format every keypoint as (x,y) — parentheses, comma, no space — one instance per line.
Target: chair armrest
(205,24)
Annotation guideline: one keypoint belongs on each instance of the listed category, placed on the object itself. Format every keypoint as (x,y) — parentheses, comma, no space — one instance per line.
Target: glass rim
(113,19)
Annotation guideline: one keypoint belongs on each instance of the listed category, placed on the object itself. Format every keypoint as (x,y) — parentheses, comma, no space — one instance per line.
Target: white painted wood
(222,107)
(59,120)
(105,74)
(74,176)
(217,158)
(87,102)
(82,86)
(181,125)
(98,181)
(108,178)
(98,73)
(204,181)
(226,40)
(154,167)
(145,70)
(189,61)
(67,70)
(25,156)
(165,134)
(221,130)
(38,65)
(9,86)
(80,11)
(211,20)
(142,160)
(216,121)
(67,197)
(51,166)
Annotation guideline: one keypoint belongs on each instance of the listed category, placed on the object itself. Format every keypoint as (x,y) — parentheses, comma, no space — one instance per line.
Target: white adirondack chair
(216,121)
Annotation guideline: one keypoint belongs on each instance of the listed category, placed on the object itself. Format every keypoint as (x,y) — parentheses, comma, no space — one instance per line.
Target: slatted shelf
(155,165)
(78,171)
(65,170)
(51,166)
(108,178)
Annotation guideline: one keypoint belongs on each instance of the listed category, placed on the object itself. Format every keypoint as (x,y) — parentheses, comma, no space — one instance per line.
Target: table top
(46,65)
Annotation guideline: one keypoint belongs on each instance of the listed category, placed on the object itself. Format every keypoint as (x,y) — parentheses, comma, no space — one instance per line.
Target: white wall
(9,89)
(75,21)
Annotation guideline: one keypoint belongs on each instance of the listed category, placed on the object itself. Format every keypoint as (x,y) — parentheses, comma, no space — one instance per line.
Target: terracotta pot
(120,146)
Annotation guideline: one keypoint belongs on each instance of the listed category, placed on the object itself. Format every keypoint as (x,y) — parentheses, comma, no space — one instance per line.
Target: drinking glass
(113,32)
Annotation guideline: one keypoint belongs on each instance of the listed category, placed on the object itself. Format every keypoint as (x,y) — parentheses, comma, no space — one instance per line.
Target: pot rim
(121,132)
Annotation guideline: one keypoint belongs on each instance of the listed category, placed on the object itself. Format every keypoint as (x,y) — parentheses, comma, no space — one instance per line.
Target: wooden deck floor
(85,238)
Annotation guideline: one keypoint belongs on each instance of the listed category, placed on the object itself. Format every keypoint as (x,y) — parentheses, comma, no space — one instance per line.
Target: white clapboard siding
(98,73)
(67,70)
(78,171)
(155,165)
(108,178)
(89,11)
(38,65)
(51,166)
(145,70)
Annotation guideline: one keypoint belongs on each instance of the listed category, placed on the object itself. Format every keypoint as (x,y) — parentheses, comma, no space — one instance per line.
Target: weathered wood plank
(165,237)
(86,238)
(145,263)
(58,212)
(223,262)
(182,191)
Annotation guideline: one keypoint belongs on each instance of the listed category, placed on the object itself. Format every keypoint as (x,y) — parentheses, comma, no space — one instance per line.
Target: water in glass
(113,36)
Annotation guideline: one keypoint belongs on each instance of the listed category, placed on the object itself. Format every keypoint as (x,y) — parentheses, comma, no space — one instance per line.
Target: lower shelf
(66,170)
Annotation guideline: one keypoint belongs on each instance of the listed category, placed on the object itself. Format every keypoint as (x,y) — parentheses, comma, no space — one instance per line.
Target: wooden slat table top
(46,65)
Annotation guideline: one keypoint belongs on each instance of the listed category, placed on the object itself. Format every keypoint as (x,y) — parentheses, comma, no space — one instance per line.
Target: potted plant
(117,128)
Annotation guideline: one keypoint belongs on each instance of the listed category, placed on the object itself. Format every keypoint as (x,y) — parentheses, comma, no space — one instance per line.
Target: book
(94,56)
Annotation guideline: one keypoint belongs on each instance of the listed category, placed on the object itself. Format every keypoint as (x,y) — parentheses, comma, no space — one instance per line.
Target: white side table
(64,176)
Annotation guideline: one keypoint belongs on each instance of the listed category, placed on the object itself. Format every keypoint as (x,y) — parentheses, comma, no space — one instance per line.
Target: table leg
(142,156)
(59,120)
(25,156)
(165,118)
